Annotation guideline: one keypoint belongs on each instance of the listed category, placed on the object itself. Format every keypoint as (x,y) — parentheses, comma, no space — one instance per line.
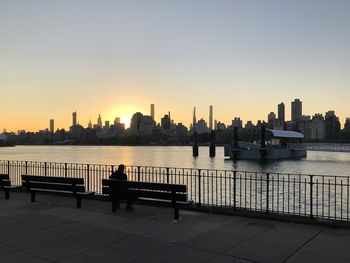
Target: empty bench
(174,194)
(59,185)
(5,184)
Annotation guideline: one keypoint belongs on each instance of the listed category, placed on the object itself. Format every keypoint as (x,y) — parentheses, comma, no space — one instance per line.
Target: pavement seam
(302,246)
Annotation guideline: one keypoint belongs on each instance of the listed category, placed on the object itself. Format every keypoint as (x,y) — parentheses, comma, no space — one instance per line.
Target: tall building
(297,109)
(52,126)
(271,120)
(74,118)
(194,121)
(116,120)
(99,121)
(165,122)
(152,111)
(211,117)
(90,124)
(281,112)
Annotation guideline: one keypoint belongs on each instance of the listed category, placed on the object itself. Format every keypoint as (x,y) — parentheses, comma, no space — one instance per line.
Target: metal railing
(314,196)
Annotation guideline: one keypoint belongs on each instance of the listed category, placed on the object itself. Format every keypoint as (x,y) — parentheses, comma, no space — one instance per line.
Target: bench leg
(78,202)
(32,196)
(114,206)
(176,212)
(7,194)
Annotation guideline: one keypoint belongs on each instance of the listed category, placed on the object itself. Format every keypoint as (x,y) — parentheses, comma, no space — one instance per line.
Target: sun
(126,120)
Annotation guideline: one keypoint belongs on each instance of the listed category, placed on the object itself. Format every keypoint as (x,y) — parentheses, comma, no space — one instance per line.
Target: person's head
(121,167)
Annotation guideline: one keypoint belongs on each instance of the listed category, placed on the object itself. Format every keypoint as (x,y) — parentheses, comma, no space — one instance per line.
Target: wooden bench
(5,184)
(51,184)
(174,194)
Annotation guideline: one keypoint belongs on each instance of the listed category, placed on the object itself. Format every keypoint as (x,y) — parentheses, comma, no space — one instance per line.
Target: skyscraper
(194,121)
(99,121)
(152,111)
(74,118)
(296,109)
(52,126)
(211,117)
(281,112)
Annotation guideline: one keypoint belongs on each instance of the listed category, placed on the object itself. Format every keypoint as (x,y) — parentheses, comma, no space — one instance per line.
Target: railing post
(88,177)
(65,170)
(267,191)
(8,167)
(234,189)
(138,173)
(311,196)
(199,203)
(45,164)
(167,174)
(26,167)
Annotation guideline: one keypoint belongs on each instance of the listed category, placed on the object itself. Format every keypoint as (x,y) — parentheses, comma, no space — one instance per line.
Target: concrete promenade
(53,230)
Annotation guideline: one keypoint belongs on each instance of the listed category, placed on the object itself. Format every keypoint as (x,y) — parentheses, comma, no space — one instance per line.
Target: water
(324,163)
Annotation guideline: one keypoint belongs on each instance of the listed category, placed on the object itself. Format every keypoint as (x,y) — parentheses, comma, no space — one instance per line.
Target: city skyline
(279,114)
(113,59)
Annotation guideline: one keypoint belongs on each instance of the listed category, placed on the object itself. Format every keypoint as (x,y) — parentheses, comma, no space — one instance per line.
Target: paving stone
(308,258)
(62,249)
(21,257)
(212,243)
(181,254)
(102,254)
(139,245)
(32,239)
(259,252)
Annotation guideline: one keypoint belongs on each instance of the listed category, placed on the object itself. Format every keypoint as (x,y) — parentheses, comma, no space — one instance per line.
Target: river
(325,163)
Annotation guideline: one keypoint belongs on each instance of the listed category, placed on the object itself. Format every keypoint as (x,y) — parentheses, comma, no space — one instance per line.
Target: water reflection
(316,163)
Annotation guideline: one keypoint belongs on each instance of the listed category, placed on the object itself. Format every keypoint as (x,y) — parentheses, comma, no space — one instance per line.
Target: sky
(117,57)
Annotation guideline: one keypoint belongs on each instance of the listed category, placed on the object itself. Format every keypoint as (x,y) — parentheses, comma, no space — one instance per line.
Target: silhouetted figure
(121,175)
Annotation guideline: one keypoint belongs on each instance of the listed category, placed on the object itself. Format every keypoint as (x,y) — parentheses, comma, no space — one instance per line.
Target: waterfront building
(147,125)
(220,126)
(211,117)
(52,126)
(303,124)
(237,122)
(332,125)
(347,125)
(135,121)
(202,126)
(106,125)
(249,125)
(317,128)
(165,122)
(90,124)
(271,120)
(181,130)
(152,111)
(281,113)
(297,110)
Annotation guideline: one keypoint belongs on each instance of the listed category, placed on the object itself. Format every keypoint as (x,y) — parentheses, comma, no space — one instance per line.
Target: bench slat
(145,185)
(52,186)
(53,179)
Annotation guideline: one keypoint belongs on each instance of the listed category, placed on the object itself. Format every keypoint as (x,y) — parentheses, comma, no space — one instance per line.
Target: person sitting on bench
(121,175)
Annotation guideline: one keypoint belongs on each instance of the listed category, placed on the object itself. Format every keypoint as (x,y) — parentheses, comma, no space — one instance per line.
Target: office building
(74,123)
(99,121)
(52,126)
(281,113)
(152,111)
(297,110)
(211,117)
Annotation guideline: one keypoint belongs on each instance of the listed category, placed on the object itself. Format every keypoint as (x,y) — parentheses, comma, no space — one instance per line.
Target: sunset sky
(117,57)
